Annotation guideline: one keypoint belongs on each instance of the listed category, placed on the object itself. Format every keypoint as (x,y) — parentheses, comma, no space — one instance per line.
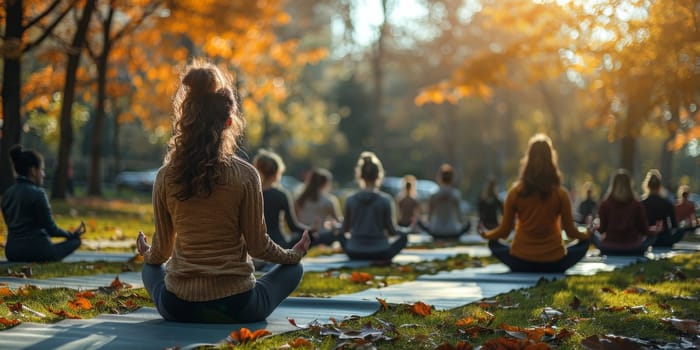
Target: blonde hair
(652,182)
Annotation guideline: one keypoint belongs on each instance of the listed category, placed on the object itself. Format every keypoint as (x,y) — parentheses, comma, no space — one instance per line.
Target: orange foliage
(80,303)
(86,294)
(360,277)
(421,308)
(9,323)
(299,342)
(64,313)
(383,303)
(244,335)
(5,291)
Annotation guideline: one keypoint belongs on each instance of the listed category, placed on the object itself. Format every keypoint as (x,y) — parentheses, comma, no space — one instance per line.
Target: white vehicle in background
(141,181)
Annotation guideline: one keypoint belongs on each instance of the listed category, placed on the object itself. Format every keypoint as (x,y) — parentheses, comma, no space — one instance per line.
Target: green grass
(663,297)
(340,281)
(63,269)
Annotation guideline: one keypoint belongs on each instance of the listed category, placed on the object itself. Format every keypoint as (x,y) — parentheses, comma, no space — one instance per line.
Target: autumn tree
(74,54)
(23,32)
(612,49)
(110,33)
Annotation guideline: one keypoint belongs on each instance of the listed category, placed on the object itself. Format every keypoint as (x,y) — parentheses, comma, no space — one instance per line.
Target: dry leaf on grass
(9,323)
(360,277)
(383,303)
(296,343)
(458,346)
(244,335)
(86,294)
(80,303)
(683,325)
(5,291)
(64,314)
(608,290)
(611,342)
(421,308)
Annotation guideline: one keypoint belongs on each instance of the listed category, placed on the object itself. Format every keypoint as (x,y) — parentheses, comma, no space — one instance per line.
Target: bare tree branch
(132,25)
(41,16)
(48,31)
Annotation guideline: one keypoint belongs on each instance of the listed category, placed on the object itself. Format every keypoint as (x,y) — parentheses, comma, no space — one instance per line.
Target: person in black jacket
(276,199)
(27,213)
(659,208)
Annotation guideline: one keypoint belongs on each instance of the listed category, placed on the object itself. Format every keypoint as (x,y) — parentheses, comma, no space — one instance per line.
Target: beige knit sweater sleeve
(164,237)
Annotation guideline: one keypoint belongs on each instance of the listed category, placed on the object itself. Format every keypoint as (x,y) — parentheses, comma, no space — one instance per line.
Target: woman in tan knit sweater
(542,208)
(209,216)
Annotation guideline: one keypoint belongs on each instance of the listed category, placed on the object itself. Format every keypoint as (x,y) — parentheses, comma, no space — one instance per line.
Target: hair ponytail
(24,159)
(203,138)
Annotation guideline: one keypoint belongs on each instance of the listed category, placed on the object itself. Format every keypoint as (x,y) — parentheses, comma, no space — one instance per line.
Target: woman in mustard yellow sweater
(208,210)
(542,207)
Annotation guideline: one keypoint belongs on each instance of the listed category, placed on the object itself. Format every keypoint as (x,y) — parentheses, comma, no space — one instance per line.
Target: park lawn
(630,302)
(318,284)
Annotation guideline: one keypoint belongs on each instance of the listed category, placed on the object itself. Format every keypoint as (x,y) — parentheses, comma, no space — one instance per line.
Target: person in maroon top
(685,209)
(623,228)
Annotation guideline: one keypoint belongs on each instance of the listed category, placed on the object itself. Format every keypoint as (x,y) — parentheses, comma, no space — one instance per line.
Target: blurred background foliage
(420,82)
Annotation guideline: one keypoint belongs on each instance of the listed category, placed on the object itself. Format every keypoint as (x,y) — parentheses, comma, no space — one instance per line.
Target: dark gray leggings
(40,249)
(251,306)
(573,255)
(389,253)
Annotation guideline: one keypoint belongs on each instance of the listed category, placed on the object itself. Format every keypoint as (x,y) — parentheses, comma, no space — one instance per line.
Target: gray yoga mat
(76,282)
(145,329)
(407,256)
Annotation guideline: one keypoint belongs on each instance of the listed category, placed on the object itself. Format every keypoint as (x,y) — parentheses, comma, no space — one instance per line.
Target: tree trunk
(58,190)
(115,144)
(11,127)
(378,70)
(628,145)
(672,125)
(95,178)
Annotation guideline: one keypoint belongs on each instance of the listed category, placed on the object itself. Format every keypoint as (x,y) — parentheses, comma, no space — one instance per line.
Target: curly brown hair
(538,169)
(206,124)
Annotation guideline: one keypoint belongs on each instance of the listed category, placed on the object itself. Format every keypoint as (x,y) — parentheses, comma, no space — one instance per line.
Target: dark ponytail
(25,159)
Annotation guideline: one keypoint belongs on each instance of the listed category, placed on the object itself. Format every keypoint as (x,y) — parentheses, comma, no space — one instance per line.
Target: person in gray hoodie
(369,216)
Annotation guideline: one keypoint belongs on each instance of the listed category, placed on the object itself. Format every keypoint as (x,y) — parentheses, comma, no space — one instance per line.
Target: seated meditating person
(542,207)
(407,202)
(369,216)
(490,207)
(445,219)
(685,209)
(623,223)
(659,208)
(316,207)
(27,214)
(588,207)
(208,214)
(276,199)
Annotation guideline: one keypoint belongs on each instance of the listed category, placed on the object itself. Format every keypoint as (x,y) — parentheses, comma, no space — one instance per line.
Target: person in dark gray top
(27,214)
(369,216)
(445,216)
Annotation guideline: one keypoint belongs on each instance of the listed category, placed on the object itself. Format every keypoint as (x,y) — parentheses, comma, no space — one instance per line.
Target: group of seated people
(214,213)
